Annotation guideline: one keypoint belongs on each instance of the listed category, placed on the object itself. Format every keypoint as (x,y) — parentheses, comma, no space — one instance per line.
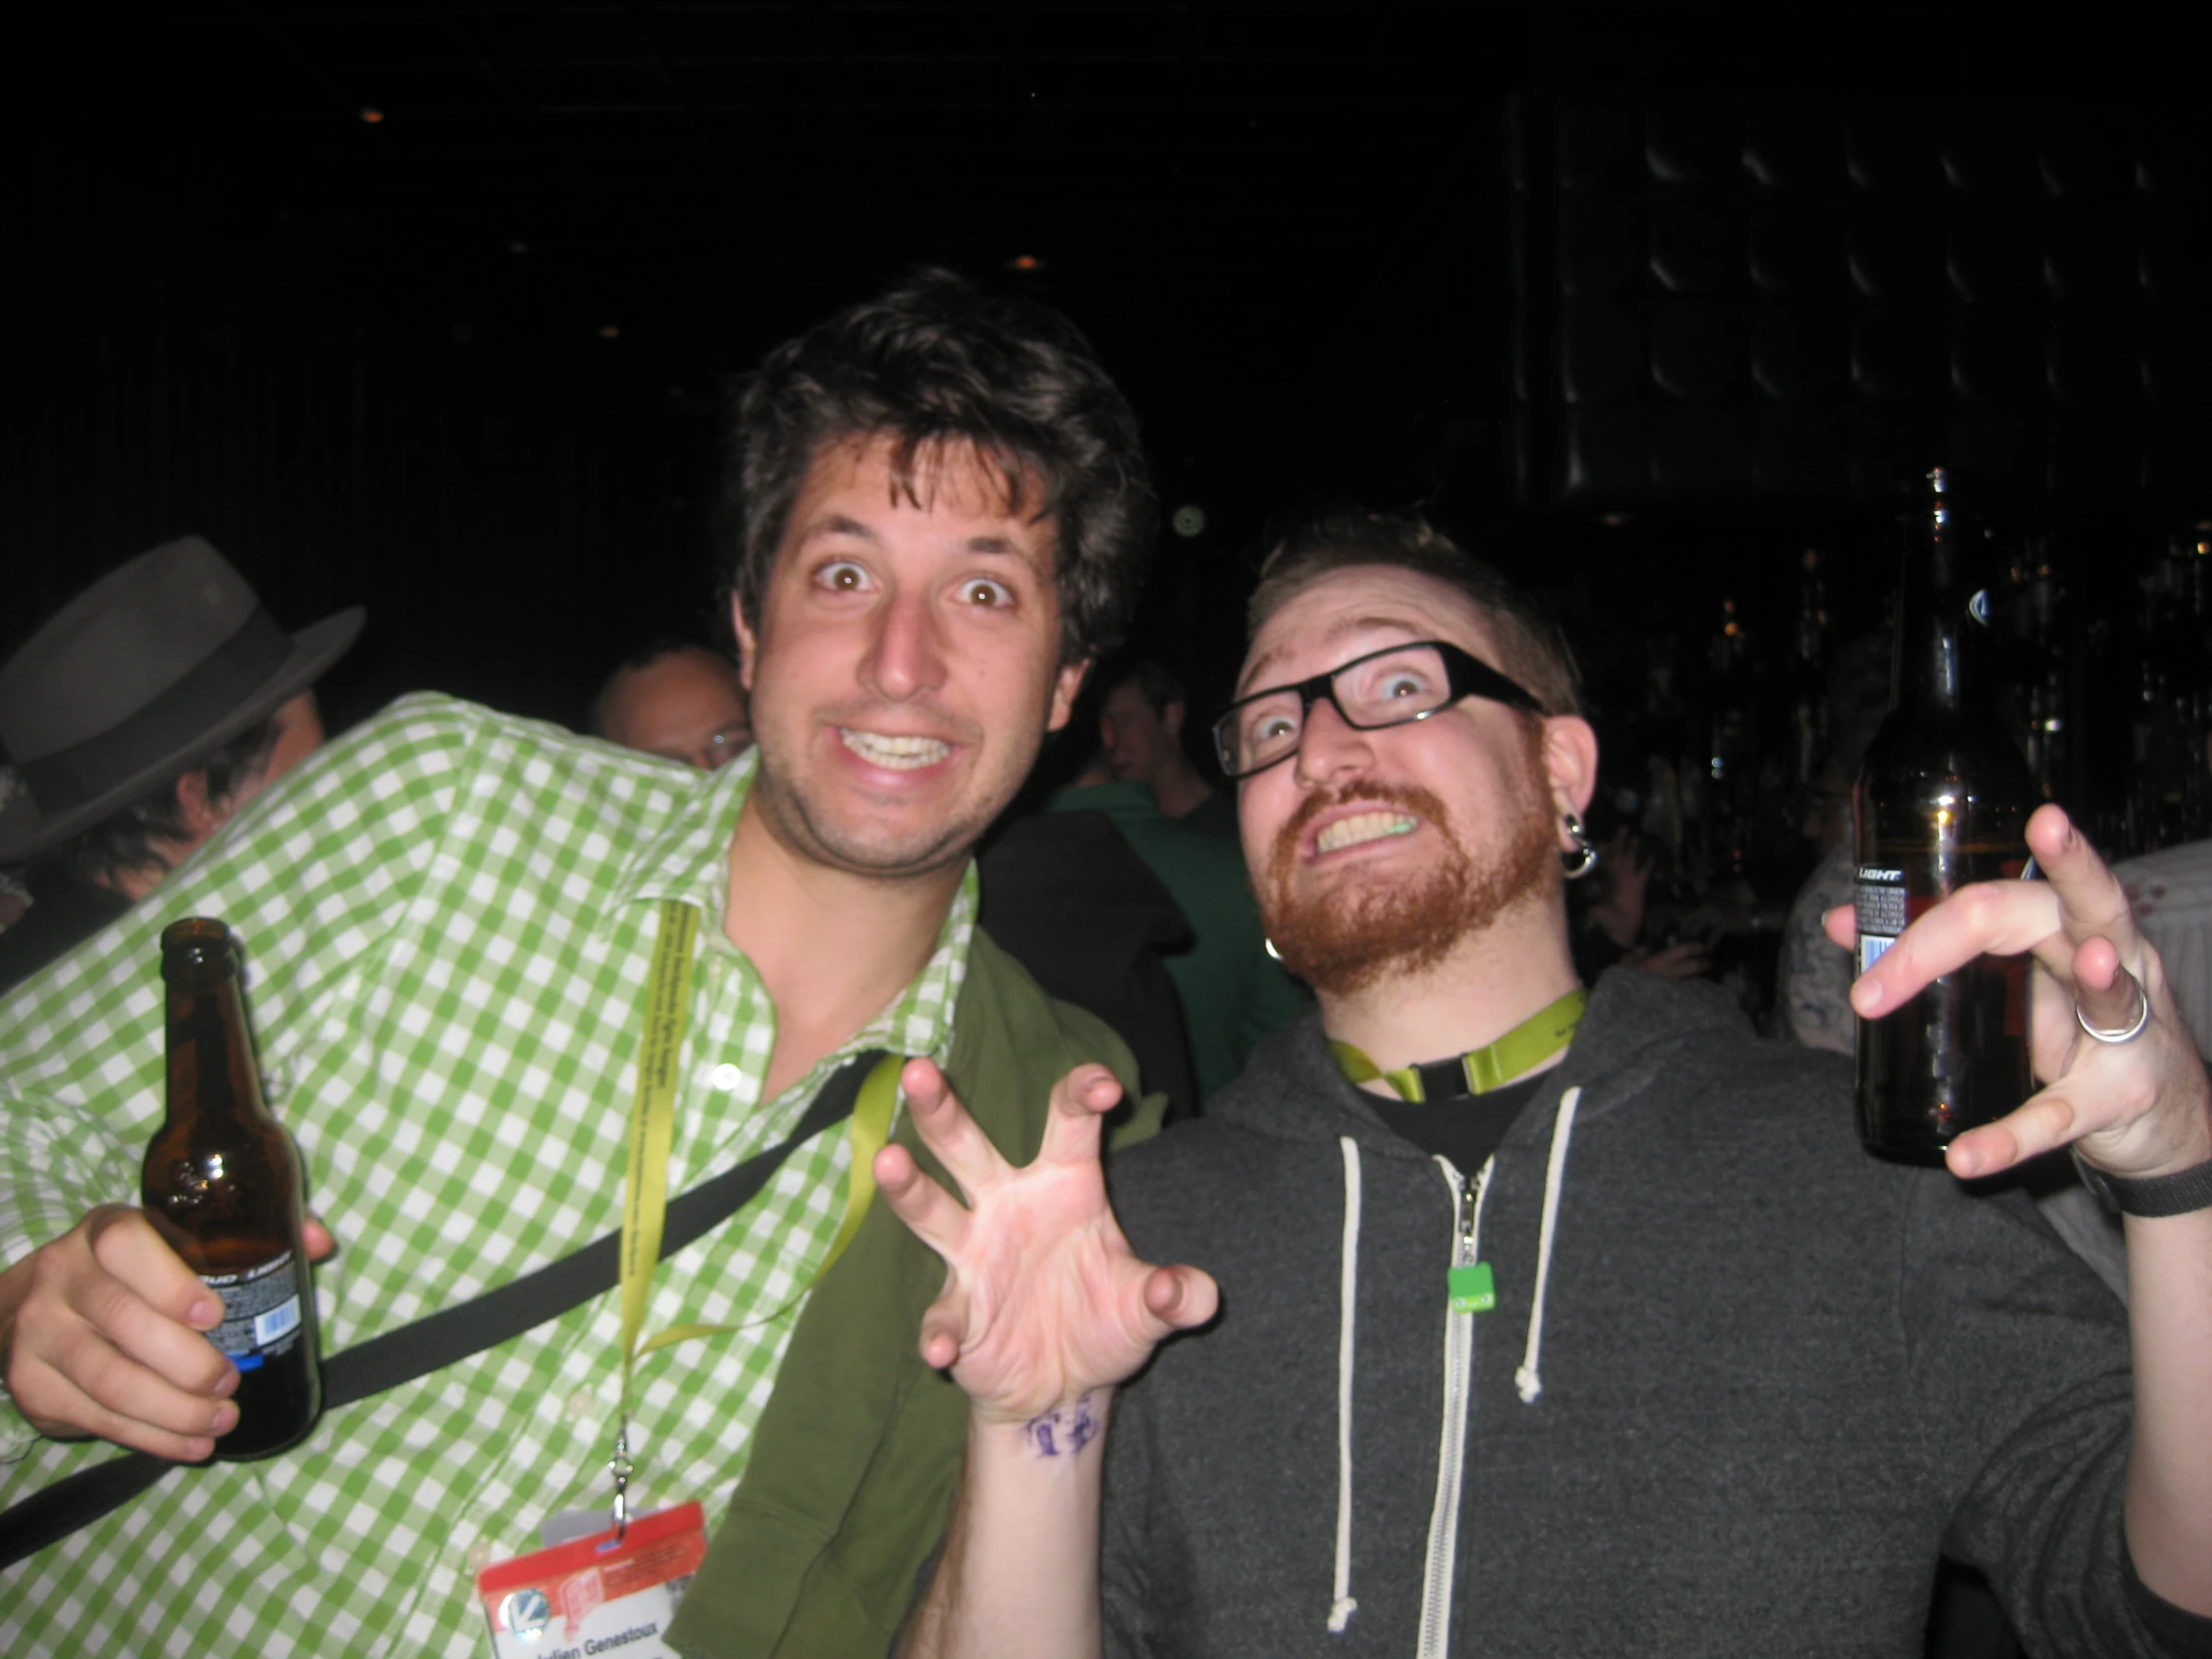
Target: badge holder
(611,1593)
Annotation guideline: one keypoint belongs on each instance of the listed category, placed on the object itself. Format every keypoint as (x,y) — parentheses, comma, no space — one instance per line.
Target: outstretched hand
(1044,1299)
(2138,1109)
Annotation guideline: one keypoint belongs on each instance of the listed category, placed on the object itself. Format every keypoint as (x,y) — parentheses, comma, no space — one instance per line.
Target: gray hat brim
(26,833)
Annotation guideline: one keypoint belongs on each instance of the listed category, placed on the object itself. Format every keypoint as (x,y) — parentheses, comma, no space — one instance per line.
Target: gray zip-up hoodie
(1741,1385)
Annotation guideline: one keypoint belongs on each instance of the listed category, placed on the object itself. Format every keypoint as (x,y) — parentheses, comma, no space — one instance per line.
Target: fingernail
(198,1449)
(225,1384)
(205,1314)
(225,1418)
(1963,1163)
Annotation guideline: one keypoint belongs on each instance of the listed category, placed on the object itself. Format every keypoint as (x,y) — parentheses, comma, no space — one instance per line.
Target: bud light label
(1879,899)
(261,1311)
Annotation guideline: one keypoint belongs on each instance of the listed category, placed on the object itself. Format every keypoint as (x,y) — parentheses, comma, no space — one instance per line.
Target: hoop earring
(1583,859)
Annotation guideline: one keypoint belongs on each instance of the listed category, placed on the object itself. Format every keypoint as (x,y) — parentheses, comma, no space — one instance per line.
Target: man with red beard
(1557,1320)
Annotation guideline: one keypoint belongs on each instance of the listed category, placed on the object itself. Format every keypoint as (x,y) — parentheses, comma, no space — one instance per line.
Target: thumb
(1181,1297)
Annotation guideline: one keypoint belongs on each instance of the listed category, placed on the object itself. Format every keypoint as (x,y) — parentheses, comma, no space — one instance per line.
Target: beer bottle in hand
(221,1184)
(1942,799)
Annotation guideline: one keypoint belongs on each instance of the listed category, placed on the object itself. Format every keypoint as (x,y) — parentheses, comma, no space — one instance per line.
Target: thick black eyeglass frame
(1464,676)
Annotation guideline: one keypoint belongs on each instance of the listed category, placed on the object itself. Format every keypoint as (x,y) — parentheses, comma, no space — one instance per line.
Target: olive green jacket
(856,1454)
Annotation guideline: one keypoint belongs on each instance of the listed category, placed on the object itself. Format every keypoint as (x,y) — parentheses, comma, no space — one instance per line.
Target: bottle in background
(1942,799)
(221,1183)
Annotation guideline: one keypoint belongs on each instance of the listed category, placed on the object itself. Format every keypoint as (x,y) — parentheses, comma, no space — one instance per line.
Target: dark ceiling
(1239,198)
(1279,220)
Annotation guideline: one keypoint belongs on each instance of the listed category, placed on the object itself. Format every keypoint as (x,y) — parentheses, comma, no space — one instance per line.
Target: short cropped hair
(652,652)
(936,365)
(1531,649)
(1156,683)
(125,839)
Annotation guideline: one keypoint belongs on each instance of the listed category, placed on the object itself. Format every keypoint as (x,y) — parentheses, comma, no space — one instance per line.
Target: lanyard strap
(1479,1071)
(652,1134)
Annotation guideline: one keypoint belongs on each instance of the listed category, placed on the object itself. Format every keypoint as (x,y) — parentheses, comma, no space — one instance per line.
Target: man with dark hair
(1141,726)
(139,718)
(1553,1320)
(680,702)
(1233,992)
(925,372)
(463,929)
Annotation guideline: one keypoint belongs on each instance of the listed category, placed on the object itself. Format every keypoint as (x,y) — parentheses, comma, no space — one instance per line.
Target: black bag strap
(430,1343)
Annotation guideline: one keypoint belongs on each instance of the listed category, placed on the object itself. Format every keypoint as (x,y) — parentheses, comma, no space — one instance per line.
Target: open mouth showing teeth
(1362,826)
(894,754)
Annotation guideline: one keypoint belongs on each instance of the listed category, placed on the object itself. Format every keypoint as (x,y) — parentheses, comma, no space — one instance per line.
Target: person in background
(1556,1319)
(1234,992)
(1608,916)
(1072,902)
(1140,723)
(680,702)
(139,720)
(2171,891)
(1814,978)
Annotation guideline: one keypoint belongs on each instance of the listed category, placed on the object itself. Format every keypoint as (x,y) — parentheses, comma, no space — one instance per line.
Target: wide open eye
(1402,683)
(1391,684)
(1267,730)
(985,594)
(843,576)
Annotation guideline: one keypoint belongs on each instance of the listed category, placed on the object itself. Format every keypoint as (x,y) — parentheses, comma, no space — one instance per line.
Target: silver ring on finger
(2124,1034)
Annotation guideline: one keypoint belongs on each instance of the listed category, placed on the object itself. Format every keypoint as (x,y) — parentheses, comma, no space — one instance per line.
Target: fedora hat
(150,668)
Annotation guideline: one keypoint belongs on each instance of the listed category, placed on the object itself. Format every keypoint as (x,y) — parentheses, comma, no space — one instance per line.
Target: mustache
(880,715)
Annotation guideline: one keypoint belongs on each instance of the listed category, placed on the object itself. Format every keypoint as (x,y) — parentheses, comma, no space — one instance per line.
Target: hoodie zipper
(1443,1519)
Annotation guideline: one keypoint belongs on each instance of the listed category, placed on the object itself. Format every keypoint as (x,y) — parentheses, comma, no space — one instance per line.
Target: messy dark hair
(1156,683)
(126,839)
(1531,649)
(935,364)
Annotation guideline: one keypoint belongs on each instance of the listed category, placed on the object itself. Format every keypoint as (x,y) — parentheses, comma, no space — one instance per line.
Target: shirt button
(582,1403)
(479,1555)
(726,1076)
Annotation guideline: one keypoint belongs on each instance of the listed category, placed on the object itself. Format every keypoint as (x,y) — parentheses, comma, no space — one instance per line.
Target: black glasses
(1390,687)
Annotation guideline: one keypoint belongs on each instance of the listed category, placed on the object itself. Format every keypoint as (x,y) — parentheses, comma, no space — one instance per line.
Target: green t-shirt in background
(1234,993)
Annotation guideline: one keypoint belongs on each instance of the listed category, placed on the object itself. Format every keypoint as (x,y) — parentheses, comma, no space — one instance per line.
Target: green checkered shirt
(446,921)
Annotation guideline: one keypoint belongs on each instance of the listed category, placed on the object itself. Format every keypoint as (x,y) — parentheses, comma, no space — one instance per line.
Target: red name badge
(593,1596)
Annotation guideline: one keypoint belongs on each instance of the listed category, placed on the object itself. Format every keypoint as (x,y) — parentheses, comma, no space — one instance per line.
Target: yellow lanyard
(653,1133)
(1536,1039)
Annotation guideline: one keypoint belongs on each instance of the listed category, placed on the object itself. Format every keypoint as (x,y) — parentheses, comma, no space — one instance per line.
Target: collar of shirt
(690,860)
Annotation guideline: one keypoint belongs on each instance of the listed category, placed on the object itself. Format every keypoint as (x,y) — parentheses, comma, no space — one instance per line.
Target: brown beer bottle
(221,1184)
(1942,799)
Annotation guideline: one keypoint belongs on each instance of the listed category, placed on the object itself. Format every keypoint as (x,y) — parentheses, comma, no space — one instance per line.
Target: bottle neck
(212,1074)
(1935,626)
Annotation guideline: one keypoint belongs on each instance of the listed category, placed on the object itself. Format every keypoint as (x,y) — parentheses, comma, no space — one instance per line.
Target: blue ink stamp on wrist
(1063,1433)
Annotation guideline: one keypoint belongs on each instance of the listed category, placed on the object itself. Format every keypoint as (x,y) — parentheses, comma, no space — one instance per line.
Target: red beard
(1342,941)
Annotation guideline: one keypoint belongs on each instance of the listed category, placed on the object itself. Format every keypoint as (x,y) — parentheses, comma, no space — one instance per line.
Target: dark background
(1645,299)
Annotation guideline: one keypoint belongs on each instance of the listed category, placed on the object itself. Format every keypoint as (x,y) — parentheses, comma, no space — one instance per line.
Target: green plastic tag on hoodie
(1472,1290)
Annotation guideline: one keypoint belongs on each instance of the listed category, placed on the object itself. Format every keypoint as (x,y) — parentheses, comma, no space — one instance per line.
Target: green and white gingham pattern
(447,921)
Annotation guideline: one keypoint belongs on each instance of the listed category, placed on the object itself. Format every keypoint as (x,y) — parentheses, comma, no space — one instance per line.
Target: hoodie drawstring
(1529,1378)
(1343,1606)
